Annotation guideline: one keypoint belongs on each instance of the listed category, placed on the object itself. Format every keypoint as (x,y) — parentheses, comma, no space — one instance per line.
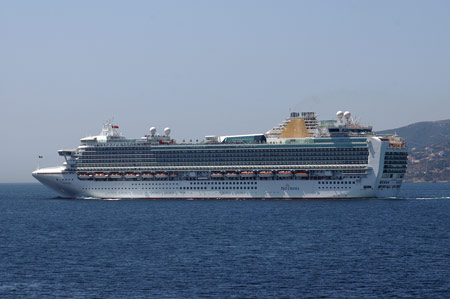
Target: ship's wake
(429,198)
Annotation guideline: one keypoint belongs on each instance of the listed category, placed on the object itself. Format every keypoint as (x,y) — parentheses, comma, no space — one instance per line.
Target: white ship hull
(68,185)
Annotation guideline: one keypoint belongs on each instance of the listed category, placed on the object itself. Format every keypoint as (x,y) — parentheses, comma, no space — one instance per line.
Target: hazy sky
(211,68)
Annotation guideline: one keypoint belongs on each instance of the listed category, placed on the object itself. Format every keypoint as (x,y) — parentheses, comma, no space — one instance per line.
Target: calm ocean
(52,247)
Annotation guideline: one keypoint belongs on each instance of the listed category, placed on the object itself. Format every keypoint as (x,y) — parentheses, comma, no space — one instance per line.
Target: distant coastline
(428,150)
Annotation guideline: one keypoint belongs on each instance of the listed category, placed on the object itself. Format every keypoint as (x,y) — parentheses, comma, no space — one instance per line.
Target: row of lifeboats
(126,175)
(261,174)
(166,175)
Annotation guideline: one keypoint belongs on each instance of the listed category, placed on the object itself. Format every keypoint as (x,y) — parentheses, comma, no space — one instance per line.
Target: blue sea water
(53,247)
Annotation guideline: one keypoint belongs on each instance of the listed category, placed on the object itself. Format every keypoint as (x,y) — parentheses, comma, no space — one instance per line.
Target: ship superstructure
(300,158)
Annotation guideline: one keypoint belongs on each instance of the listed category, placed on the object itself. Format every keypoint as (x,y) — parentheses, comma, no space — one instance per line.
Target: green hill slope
(429,150)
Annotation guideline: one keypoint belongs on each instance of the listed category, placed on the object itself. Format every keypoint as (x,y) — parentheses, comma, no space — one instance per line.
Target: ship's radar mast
(155,138)
(347,115)
(167,131)
(110,130)
(339,115)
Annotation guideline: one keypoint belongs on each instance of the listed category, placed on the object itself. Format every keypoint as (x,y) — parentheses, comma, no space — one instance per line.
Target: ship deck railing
(229,167)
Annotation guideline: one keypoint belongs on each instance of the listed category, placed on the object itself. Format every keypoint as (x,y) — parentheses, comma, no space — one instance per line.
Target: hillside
(429,150)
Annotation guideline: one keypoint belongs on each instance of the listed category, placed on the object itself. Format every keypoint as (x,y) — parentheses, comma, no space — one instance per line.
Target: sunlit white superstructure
(300,158)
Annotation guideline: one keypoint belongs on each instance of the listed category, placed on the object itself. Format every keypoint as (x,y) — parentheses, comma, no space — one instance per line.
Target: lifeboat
(284,173)
(130,175)
(216,175)
(84,176)
(232,174)
(300,173)
(247,174)
(147,175)
(100,176)
(265,174)
(174,175)
(115,175)
(161,175)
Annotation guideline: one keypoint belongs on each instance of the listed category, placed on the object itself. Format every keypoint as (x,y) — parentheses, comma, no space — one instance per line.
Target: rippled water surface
(223,249)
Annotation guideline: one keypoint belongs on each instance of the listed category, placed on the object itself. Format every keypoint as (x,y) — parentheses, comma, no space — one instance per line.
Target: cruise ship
(301,158)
